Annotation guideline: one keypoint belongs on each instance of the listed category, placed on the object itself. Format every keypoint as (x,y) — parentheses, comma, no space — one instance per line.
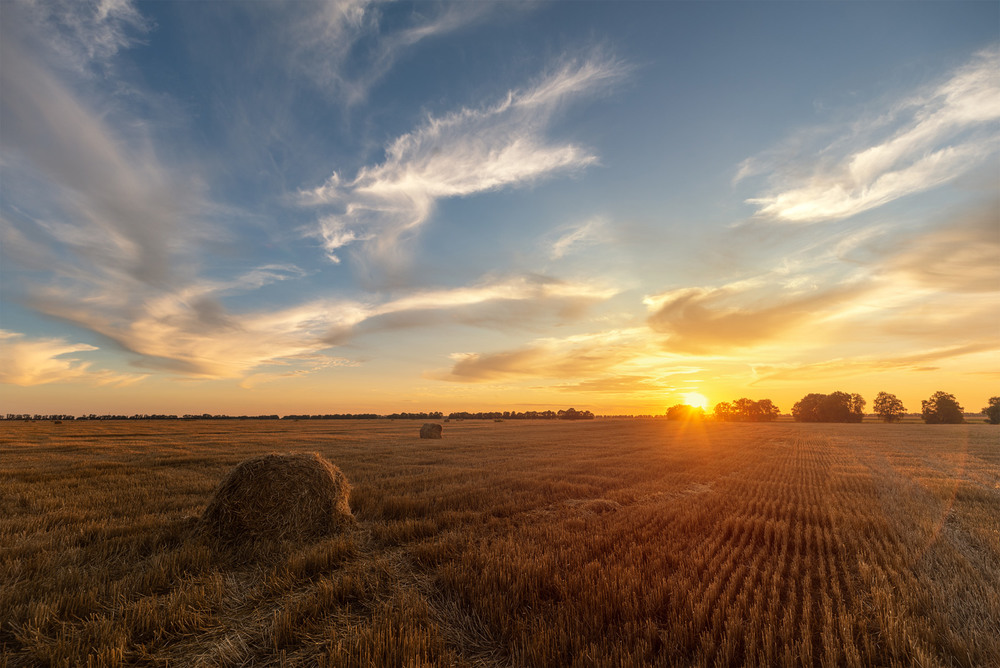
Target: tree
(807,409)
(992,412)
(767,411)
(888,407)
(857,408)
(833,407)
(746,410)
(573,414)
(723,411)
(685,412)
(942,408)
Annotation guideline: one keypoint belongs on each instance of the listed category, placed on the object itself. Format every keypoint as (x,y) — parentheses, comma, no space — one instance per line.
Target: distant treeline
(568,414)
(137,416)
(940,408)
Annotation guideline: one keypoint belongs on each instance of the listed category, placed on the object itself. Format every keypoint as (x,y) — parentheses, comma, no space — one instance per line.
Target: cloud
(585,234)
(572,357)
(300,365)
(888,288)
(75,34)
(631,384)
(960,256)
(707,321)
(460,154)
(937,135)
(927,360)
(35,361)
(346,46)
(189,330)
(517,301)
(119,209)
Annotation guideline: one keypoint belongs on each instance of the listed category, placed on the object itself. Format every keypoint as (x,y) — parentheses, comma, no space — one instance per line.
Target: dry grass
(604,543)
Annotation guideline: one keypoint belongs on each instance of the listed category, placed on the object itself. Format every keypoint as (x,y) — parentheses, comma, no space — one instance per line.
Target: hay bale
(431,430)
(276,498)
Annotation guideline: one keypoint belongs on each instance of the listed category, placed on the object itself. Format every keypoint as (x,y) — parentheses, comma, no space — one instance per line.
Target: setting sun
(696,400)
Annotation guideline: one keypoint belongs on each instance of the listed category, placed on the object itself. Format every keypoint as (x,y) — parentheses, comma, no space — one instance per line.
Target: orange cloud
(699,321)
(27,362)
(841,368)
(574,357)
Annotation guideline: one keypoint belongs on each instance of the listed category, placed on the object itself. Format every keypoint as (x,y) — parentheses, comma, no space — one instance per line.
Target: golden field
(595,543)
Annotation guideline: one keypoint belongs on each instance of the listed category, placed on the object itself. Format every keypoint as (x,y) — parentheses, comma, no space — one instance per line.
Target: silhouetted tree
(888,407)
(746,410)
(942,408)
(685,412)
(723,411)
(573,414)
(992,412)
(807,409)
(767,411)
(833,407)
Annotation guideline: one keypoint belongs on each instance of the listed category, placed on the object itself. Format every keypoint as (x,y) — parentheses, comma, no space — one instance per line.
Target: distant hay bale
(275,498)
(431,430)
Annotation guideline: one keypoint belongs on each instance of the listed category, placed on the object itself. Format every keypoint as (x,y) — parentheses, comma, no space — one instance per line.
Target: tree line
(940,408)
(562,414)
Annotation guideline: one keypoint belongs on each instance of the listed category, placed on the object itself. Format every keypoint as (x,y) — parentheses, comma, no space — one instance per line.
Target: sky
(362,206)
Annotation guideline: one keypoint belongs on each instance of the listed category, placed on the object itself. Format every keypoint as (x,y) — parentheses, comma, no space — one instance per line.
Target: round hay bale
(430,430)
(274,498)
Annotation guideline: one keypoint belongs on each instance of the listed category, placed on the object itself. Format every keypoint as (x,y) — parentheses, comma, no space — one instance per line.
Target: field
(599,543)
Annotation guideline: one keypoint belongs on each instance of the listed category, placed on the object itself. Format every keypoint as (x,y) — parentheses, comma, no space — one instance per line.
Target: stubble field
(599,543)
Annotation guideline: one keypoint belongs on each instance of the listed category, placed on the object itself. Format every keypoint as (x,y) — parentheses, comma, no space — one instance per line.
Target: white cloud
(466,152)
(585,234)
(34,361)
(114,207)
(75,33)
(947,131)
(515,288)
(298,365)
(346,47)
(189,330)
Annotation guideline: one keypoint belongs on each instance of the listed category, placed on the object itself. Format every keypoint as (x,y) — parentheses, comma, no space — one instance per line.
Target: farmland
(597,543)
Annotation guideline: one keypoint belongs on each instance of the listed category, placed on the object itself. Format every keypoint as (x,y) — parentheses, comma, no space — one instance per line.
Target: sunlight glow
(696,400)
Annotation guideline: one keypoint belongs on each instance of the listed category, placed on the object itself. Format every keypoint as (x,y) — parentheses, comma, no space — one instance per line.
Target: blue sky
(353,205)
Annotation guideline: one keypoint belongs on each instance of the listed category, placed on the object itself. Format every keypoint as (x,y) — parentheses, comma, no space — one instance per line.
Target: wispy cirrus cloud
(29,361)
(189,329)
(920,361)
(933,136)
(76,33)
(579,356)
(961,255)
(720,320)
(347,46)
(656,382)
(460,154)
(585,234)
(506,302)
(185,327)
(110,203)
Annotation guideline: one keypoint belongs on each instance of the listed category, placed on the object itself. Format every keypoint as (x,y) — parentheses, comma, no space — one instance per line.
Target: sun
(696,400)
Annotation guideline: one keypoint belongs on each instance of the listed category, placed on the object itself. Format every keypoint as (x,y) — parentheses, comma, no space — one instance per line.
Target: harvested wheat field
(599,543)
